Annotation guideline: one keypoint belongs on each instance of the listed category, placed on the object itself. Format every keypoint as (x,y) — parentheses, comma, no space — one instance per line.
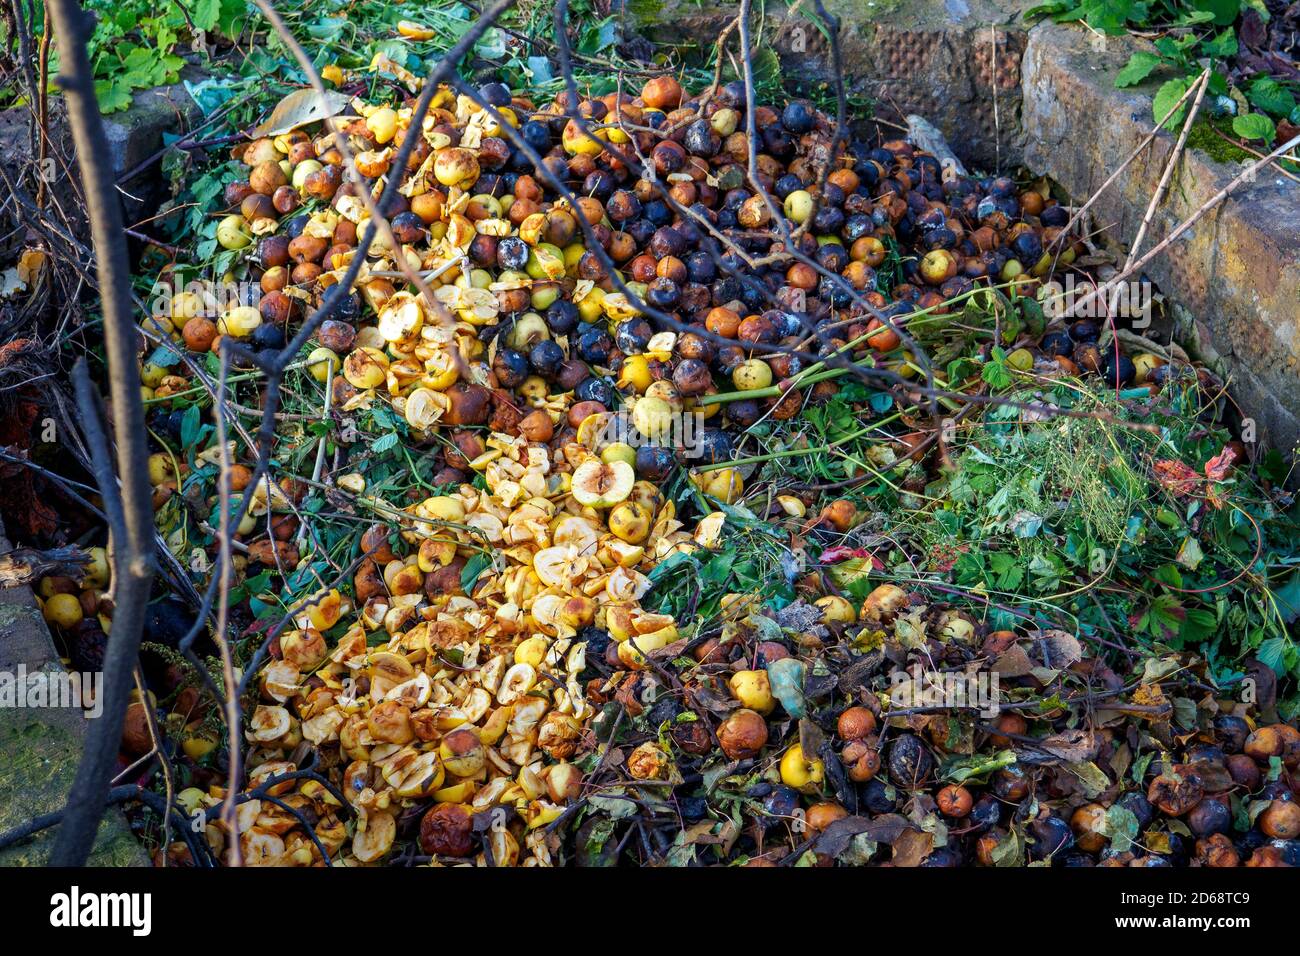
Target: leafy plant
(1193,33)
(138,45)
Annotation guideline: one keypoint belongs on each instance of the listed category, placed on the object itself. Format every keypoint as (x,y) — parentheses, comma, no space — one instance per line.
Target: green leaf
(1199,625)
(113,96)
(1288,599)
(977,767)
(1164,620)
(1224,11)
(384,442)
(1272,654)
(492,45)
(473,568)
(1111,16)
(540,68)
(1271,96)
(599,36)
(1254,126)
(995,372)
(232,11)
(1223,45)
(1121,825)
(190,426)
(1057,8)
(1165,98)
(1139,66)
(205,13)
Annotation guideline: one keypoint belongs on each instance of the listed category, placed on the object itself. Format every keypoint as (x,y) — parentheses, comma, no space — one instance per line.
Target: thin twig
(1159,195)
(1247,175)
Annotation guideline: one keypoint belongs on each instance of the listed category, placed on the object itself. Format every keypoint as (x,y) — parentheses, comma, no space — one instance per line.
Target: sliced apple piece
(599,484)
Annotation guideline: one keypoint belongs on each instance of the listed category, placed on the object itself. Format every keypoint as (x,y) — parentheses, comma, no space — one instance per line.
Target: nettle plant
(1193,34)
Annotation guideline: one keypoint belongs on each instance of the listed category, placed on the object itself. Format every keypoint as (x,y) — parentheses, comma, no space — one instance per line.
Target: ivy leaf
(1139,66)
(1254,126)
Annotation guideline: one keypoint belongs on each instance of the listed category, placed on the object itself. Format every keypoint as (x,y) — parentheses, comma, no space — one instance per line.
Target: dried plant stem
(1246,175)
(1163,187)
(1110,180)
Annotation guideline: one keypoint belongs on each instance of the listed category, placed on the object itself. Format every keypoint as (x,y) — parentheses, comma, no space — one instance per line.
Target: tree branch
(130,506)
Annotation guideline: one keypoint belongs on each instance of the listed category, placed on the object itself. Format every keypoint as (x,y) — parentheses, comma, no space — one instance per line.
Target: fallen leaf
(1221,465)
(912,847)
(1013,662)
(1058,648)
(882,829)
(300,108)
(1175,477)
(1071,746)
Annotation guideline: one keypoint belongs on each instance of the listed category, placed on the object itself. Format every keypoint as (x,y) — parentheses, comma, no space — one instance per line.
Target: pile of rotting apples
(458,726)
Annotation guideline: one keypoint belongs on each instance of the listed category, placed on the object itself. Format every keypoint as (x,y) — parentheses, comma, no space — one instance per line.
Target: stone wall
(1008,94)
(40,749)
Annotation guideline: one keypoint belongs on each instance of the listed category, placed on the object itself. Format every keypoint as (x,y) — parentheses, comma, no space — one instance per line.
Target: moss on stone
(39,754)
(1204,138)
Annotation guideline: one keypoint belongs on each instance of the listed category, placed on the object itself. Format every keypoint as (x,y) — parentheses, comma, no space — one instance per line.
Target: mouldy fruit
(742,734)
(862,761)
(489,624)
(910,762)
(1050,836)
(856,723)
(883,604)
(954,801)
(836,610)
(725,484)
(447,830)
(823,814)
(62,610)
(1174,794)
(136,737)
(647,762)
(1281,820)
(1089,825)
